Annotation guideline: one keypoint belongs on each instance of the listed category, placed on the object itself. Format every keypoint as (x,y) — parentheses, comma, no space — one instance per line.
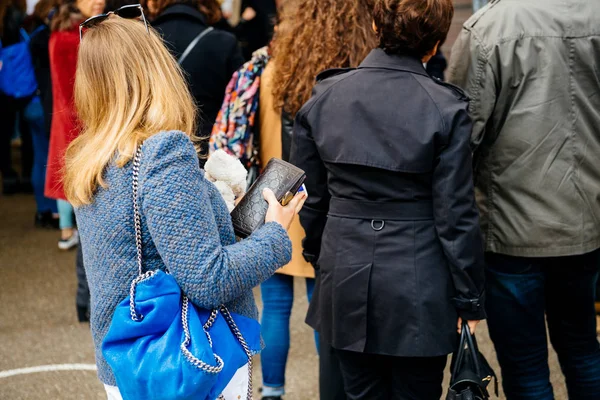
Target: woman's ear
(374,27)
(435,49)
(431,53)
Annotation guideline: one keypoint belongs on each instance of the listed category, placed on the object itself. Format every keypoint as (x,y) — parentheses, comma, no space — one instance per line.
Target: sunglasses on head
(131,11)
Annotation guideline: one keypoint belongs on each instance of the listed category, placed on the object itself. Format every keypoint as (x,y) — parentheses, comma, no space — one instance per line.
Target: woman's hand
(472,325)
(283,215)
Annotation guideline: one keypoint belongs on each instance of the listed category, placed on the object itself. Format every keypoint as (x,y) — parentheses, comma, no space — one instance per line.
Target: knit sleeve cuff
(279,241)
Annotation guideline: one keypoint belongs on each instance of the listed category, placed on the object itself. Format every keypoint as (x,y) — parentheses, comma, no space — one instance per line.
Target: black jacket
(258,32)
(391,219)
(38,46)
(209,66)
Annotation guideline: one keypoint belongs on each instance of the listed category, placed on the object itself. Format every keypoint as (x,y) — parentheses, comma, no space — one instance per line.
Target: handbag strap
(136,209)
(472,343)
(193,44)
(467,340)
(460,352)
(137,222)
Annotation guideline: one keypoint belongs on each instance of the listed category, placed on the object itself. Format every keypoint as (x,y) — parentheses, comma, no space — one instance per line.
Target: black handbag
(283,179)
(471,373)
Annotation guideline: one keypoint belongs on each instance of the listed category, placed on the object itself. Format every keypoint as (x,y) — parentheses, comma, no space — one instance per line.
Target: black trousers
(377,377)
(8,116)
(82,298)
(9,111)
(331,382)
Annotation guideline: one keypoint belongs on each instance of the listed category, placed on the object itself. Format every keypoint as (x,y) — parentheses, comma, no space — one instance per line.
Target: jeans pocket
(502,264)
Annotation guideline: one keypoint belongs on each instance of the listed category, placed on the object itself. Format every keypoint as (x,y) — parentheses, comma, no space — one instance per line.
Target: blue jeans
(34,116)
(66,214)
(524,293)
(278,297)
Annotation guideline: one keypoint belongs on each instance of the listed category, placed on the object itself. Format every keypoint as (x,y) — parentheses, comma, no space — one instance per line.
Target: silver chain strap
(136,208)
(236,331)
(134,315)
(138,237)
(185,305)
(184,346)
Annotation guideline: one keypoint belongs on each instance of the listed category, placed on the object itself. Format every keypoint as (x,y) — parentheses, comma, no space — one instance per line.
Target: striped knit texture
(186,230)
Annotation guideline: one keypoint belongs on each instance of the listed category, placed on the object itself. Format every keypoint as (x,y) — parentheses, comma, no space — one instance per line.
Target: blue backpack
(17,76)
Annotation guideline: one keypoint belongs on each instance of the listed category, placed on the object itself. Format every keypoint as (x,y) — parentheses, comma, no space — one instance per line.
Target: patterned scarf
(234,128)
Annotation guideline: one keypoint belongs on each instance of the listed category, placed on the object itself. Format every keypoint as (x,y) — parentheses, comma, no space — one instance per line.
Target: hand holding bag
(471,373)
(283,179)
(160,346)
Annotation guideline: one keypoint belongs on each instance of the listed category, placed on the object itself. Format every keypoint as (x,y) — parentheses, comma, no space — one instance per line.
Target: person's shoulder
(325,81)
(442,91)
(222,35)
(452,90)
(168,139)
(330,78)
(484,14)
(528,18)
(168,142)
(334,73)
(447,98)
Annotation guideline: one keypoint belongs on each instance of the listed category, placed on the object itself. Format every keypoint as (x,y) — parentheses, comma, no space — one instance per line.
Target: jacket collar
(378,58)
(181,9)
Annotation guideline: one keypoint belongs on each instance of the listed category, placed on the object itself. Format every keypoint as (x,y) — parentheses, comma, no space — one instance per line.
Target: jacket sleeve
(470,70)
(175,202)
(313,216)
(456,215)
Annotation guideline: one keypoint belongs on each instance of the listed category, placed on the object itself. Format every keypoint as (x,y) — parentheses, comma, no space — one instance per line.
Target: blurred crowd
(27,114)
(262,57)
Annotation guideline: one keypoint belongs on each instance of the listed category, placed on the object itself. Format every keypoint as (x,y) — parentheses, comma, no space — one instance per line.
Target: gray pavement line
(48,368)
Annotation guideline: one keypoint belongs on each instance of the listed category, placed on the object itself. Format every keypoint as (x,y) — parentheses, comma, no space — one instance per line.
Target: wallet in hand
(283,179)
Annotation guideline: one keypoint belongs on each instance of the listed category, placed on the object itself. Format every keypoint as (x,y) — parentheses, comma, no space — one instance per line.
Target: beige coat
(270,146)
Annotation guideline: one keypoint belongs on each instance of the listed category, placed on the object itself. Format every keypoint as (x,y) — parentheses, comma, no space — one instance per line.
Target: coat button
(377,225)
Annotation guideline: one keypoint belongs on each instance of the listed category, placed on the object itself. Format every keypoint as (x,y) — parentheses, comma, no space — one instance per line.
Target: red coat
(62,49)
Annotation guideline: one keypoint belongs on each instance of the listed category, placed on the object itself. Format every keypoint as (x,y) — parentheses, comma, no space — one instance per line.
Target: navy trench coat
(391,222)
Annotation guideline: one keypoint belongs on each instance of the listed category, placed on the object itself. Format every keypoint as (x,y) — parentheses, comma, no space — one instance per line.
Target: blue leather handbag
(161,347)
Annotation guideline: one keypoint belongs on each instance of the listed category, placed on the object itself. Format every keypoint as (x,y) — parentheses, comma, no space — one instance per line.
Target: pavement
(38,323)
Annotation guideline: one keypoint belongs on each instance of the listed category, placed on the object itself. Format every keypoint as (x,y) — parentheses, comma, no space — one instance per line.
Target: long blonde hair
(128,87)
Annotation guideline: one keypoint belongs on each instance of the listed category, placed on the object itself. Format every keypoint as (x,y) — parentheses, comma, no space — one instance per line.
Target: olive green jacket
(532,70)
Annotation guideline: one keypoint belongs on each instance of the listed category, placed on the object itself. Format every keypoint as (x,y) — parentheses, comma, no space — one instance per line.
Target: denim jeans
(278,297)
(34,117)
(525,293)
(66,214)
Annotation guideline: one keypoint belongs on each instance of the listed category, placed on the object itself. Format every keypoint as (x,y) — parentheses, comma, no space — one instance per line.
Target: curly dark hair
(412,27)
(315,35)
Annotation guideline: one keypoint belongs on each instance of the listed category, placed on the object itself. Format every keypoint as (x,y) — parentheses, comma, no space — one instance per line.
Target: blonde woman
(129,92)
